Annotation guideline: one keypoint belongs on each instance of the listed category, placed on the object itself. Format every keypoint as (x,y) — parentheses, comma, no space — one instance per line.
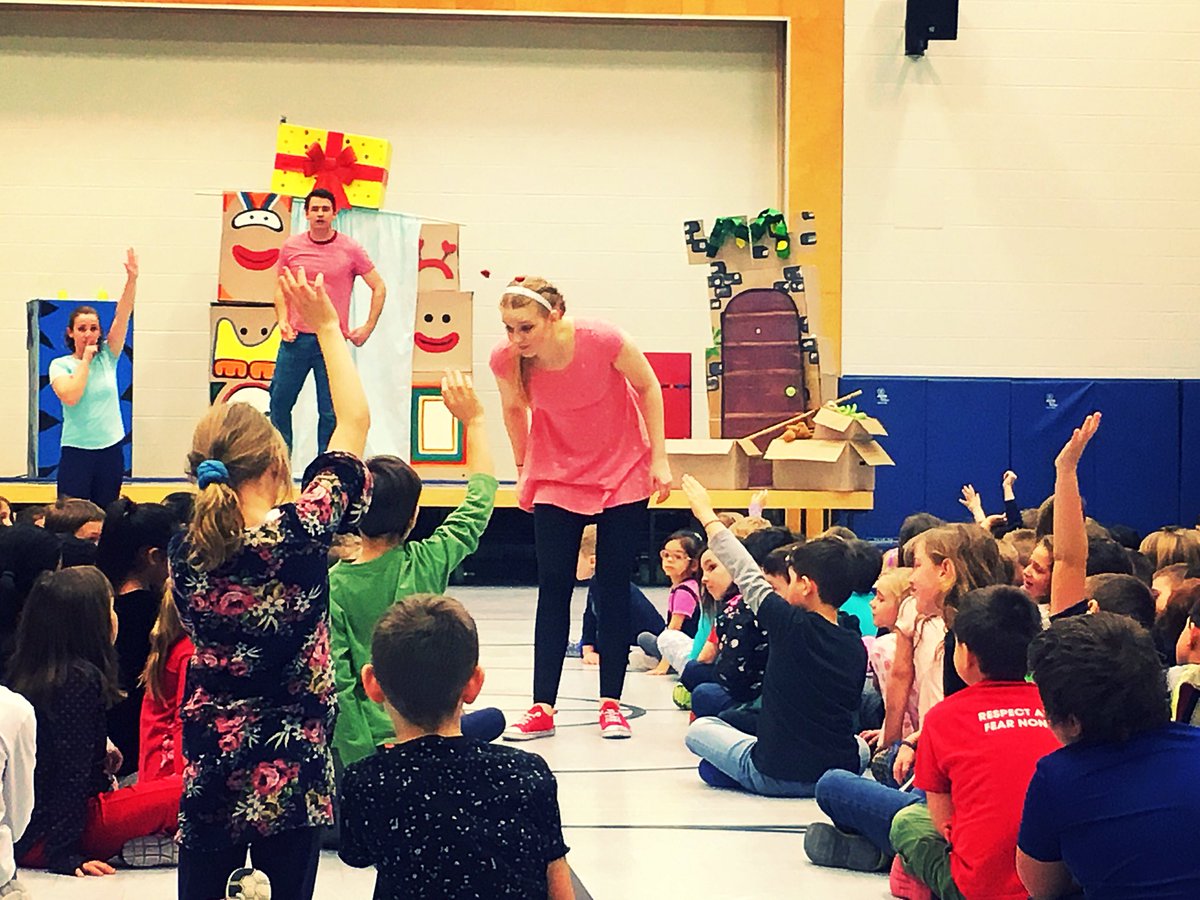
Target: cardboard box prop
(438,268)
(825,465)
(353,167)
(438,439)
(254,226)
(46,342)
(674,371)
(245,342)
(829,424)
(717,463)
(764,364)
(442,336)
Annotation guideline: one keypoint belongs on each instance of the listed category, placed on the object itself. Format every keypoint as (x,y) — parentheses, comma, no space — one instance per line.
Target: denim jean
(730,751)
(293,363)
(710,699)
(862,805)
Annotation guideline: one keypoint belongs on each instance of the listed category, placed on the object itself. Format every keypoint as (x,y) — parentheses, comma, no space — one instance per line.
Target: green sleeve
(456,538)
(352,734)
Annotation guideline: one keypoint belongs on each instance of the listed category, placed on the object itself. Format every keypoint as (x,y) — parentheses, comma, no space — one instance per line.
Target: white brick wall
(1024,201)
(571,149)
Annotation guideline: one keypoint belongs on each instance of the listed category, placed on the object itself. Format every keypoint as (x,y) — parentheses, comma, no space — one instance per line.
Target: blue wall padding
(1137,464)
(899,490)
(967,427)
(945,432)
(1042,417)
(1189,452)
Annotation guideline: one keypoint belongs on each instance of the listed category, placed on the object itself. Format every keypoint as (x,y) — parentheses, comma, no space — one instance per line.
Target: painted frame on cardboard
(813,44)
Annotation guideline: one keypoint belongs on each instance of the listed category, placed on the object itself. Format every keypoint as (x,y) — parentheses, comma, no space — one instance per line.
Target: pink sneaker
(904,886)
(612,723)
(537,723)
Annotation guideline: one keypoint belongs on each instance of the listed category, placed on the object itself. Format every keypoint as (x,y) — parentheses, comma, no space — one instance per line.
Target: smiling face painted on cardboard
(253,229)
(442,334)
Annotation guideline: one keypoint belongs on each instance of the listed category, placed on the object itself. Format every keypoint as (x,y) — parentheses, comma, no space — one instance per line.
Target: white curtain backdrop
(385,361)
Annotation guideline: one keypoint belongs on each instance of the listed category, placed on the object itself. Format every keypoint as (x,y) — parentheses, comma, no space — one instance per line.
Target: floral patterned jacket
(259,703)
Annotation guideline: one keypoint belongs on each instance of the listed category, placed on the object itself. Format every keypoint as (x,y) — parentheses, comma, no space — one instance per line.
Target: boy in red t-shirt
(977,752)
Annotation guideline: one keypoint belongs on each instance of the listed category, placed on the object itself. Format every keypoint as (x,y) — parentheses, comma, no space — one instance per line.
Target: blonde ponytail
(243,445)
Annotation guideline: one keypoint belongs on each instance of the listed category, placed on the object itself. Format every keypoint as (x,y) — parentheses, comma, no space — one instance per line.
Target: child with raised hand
(814,674)
(252,587)
(680,560)
(1109,812)
(390,568)
(1068,594)
(160,747)
(439,814)
(65,665)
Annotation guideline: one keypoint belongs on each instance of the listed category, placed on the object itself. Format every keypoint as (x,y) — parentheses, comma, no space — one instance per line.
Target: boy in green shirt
(390,569)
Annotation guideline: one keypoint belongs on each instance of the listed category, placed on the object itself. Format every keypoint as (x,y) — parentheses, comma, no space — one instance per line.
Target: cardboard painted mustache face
(253,228)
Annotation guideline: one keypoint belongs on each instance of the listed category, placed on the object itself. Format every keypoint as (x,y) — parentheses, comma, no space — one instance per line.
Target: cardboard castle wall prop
(764,364)
(254,226)
(47,327)
(442,339)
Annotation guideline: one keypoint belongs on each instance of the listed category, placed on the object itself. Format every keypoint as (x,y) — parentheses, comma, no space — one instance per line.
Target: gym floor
(635,815)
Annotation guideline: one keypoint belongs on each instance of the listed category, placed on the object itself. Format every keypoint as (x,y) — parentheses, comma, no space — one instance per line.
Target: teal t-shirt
(95,421)
(703,629)
(859,606)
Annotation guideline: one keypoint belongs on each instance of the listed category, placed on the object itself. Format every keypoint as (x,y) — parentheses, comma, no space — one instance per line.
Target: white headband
(526,292)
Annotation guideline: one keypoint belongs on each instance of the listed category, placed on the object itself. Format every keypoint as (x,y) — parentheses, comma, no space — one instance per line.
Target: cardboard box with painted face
(442,336)
(245,342)
(253,228)
(439,264)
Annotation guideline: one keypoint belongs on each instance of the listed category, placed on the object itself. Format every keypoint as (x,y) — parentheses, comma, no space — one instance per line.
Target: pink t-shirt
(341,259)
(928,636)
(588,448)
(684,598)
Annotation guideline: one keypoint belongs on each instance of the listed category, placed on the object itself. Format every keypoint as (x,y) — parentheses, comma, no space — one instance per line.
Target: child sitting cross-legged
(439,814)
(977,752)
(814,675)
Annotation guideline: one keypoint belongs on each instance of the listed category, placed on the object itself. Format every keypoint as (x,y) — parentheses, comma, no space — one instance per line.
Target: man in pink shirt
(341,259)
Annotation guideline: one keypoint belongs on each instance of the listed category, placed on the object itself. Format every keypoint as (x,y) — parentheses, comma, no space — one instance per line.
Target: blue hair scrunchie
(211,471)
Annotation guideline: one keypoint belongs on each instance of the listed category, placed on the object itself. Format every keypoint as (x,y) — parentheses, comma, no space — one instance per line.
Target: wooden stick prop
(794,420)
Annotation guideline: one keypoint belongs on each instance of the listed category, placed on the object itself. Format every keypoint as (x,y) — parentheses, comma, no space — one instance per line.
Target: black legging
(557,533)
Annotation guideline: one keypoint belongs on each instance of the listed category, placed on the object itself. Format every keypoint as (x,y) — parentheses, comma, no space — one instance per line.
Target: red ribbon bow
(333,166)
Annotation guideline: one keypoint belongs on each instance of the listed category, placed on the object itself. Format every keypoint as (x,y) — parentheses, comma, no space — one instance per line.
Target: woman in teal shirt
(92,463)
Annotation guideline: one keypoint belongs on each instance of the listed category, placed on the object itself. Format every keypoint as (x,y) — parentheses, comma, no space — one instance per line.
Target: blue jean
(863,806)
(730,751)
(709,699)
(295,360)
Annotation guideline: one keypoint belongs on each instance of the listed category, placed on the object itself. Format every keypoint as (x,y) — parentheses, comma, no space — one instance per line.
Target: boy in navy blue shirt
(1112,811)
(814,676)
(437,814)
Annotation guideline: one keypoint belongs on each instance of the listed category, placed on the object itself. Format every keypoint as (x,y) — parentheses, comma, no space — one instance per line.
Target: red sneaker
(612,723)
(904,885)
(537,723)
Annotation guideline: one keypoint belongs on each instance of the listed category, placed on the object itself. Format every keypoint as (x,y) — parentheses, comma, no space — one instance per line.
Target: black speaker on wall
(929,20)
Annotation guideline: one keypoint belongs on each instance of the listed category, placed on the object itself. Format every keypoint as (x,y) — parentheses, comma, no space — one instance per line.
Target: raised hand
(1068,457)
(310,300)
(970,499)
(1008,479)
(131,265)
(460,398)
(698,498)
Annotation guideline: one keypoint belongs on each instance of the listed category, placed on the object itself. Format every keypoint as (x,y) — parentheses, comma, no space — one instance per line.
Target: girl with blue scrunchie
(251,586)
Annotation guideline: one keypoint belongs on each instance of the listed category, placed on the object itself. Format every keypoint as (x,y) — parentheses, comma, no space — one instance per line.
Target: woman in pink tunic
(584,413)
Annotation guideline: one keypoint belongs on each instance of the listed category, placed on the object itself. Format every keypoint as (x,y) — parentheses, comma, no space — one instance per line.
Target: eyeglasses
(673,555)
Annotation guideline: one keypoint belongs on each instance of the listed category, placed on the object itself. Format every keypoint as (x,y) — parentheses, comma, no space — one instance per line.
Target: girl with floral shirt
(251,584)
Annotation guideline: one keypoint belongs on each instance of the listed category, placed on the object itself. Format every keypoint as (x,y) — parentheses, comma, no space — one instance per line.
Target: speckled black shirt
(452,817)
